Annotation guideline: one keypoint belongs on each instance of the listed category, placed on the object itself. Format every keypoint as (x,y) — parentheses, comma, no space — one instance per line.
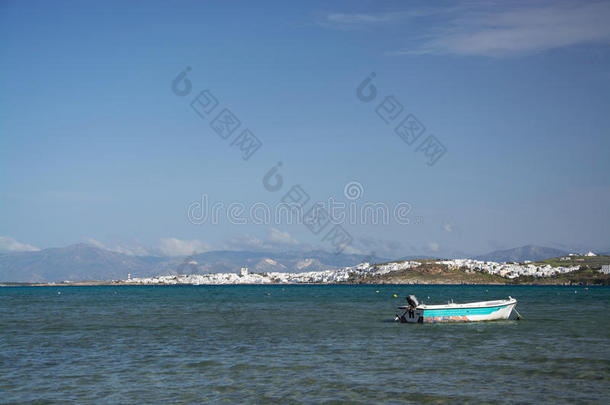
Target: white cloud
(360,18)
(245,242)
(137,250)
(350,250)
(179,247)
(165,247)
(523,30)
(275,239)
(281,238)
(447,228)
(95,243)
(433,247)
(491,28)
(8,244)
(130,250)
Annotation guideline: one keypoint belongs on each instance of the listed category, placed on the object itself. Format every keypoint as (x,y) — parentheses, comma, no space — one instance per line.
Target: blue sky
(95,146)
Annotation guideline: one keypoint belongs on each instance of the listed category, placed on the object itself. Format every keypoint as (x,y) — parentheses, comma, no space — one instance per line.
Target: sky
(103,141)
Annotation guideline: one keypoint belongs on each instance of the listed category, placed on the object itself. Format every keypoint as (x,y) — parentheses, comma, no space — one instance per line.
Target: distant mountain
(75,262)
(82,262)
(223,261)
(529,252)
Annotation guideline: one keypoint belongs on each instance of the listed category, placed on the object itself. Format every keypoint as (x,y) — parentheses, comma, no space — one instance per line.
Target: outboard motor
(412,300)
(413,303)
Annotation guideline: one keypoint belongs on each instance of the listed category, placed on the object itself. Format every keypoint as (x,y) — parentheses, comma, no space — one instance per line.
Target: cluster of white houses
(508,270)
(245,277)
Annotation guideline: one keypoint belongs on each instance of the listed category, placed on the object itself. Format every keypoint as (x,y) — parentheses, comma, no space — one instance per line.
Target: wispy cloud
(282,238)
(180,247)
(245,242)
(361,19)
(8,244)
(491,28)
(96,243)
(165,247)
(128,249)
(274,240)
(522,30)
(433,247)
(357,21)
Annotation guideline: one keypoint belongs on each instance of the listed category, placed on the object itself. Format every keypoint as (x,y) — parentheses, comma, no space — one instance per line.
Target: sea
(299,344)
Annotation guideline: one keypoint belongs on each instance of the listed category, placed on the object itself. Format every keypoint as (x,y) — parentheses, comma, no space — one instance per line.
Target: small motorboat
(451,312)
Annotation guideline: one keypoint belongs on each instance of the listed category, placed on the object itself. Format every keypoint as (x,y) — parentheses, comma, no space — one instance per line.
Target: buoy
(58,292)
(395,296)
(377,291)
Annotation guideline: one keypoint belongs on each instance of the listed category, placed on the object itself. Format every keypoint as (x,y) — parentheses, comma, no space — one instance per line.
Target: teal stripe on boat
(461,311)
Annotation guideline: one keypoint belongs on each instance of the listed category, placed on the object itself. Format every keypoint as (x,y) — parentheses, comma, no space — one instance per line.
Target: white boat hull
(470,312)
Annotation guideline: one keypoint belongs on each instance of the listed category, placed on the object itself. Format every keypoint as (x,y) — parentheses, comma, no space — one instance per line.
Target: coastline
(420,272)
(448,283)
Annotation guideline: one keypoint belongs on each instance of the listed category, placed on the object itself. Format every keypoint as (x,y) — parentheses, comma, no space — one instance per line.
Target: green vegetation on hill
(585,276)
(590,262)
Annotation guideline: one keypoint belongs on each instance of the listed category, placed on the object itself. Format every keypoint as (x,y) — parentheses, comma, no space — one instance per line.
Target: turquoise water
(298,344)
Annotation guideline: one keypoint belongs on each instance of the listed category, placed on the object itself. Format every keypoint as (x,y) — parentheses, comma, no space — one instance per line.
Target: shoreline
(407,272)
(121,284)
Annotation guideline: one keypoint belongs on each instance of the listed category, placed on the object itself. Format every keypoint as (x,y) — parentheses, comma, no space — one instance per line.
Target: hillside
(591,262)
(432,272)
(429,272)
(585,276)
(520,254)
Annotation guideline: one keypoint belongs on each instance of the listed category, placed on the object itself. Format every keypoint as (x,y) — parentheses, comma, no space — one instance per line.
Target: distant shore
(581,271)
(124,283)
